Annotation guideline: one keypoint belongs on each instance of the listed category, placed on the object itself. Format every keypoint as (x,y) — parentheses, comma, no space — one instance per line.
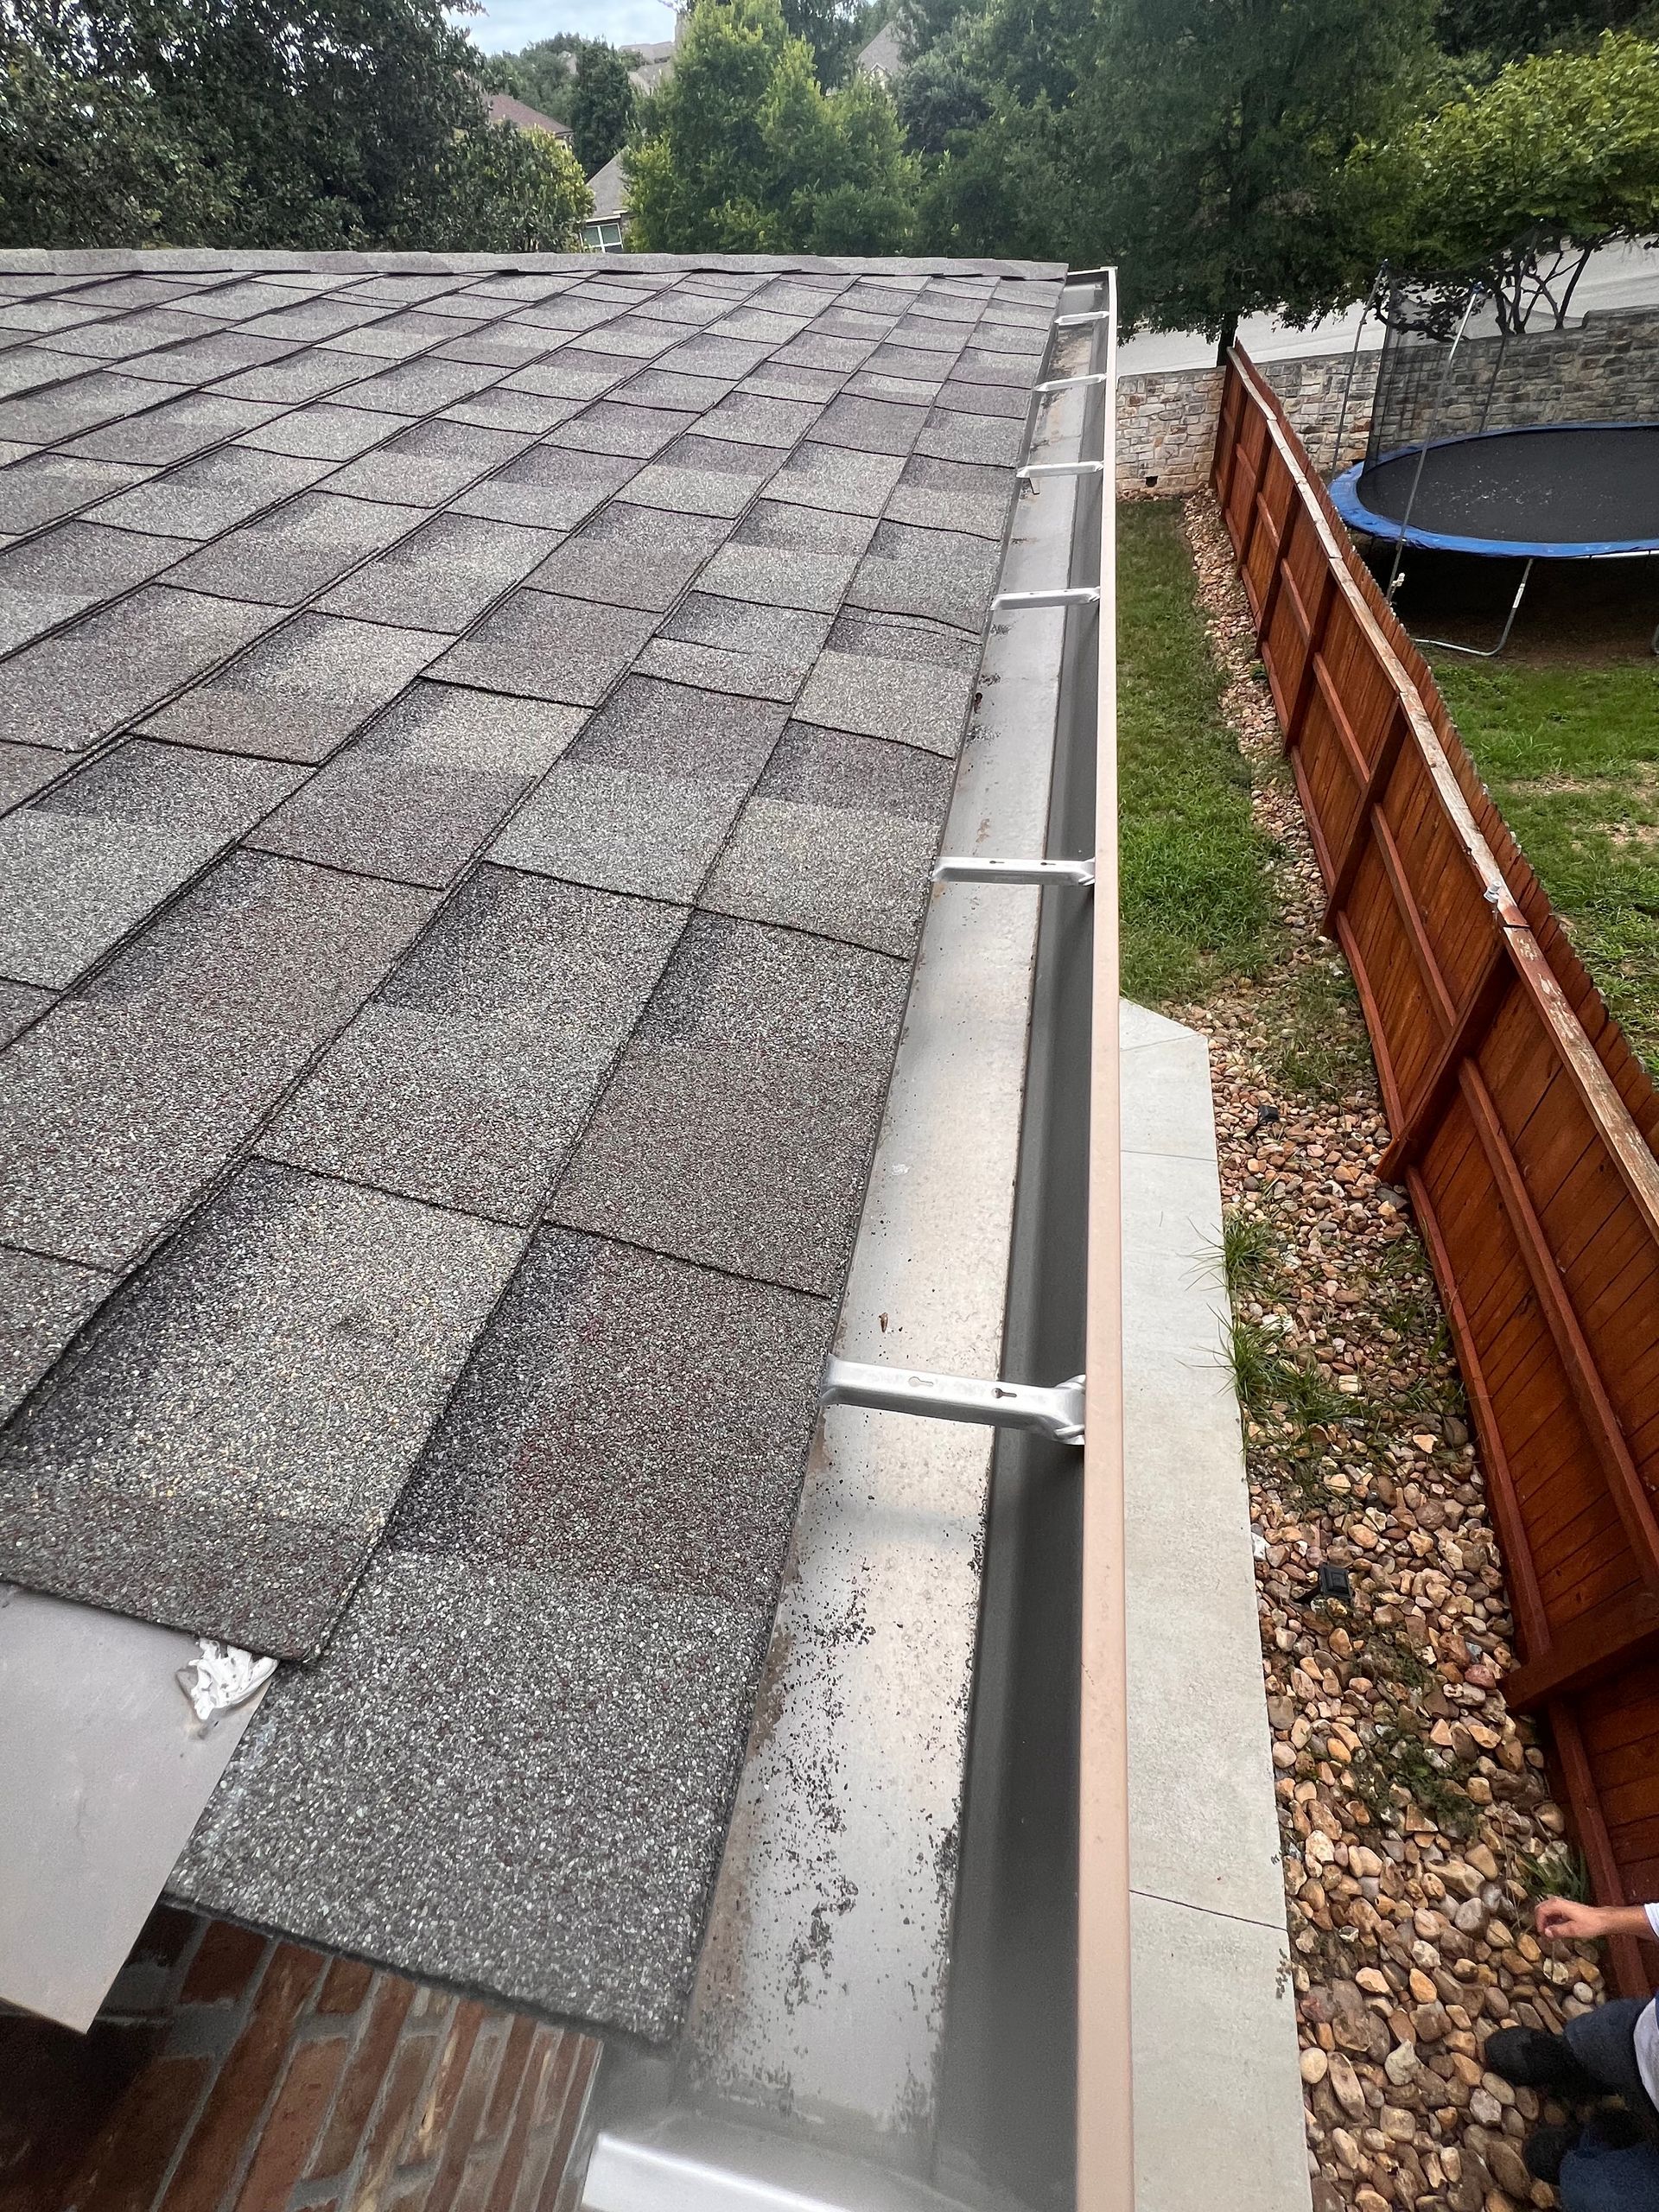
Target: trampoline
(1445,472)
(1562,492)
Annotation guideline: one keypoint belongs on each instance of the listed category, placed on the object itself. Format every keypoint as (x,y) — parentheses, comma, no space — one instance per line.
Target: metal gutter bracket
(1061,596)
(1071,384)
(1036,468)
(957,867)
(1056,1412)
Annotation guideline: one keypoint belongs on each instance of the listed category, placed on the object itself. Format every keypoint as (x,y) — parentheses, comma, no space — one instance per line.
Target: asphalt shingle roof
(475,742)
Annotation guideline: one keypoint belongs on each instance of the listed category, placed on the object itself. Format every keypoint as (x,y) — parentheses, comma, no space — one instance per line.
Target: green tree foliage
(510,191)
(937,96)
(543,74)
(1200,143)
(312,123)
(1492,32)
(742,151)
(834,31)
(1522,179)
(601,104)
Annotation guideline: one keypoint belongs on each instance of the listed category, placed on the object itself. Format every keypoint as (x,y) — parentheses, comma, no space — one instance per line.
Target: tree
(88,155)
(742,151)
(543,74)
(834,31)
(510,191)
(1230,128)
(936,97)
(310,124)
(601,104)
(1493,32)
(1520,182)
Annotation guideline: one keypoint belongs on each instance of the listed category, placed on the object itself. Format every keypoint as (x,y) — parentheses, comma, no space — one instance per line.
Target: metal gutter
(814,2069)
(1105,2101)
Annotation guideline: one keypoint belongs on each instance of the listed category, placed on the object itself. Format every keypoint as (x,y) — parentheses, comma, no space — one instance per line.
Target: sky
(506,25)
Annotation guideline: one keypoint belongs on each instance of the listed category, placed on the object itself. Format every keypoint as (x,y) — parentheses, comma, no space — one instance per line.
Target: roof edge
(119,261)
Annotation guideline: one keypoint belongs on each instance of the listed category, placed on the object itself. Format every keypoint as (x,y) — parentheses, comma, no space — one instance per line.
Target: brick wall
(1606,369)
(230,2074)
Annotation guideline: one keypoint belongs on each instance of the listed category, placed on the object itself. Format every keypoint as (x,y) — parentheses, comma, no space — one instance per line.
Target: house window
(604,236)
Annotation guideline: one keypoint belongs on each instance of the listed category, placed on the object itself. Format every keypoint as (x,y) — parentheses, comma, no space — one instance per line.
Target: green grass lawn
(1571,754)
(1196,899)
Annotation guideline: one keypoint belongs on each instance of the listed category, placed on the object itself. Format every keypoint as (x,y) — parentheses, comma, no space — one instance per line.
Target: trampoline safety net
(1455,375)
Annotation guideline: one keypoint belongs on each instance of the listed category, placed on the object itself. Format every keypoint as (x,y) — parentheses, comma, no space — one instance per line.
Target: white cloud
(506,25)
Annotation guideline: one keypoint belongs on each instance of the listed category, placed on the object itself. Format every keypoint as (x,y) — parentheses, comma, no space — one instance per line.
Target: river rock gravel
(1418,1827)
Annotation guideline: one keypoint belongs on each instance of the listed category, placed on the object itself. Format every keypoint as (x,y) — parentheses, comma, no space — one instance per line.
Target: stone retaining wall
(1606,369)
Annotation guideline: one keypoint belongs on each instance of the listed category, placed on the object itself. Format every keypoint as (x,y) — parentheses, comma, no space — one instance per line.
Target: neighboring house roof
(476,743)
(610,189)
(656,64)
(504,109)
(883,56)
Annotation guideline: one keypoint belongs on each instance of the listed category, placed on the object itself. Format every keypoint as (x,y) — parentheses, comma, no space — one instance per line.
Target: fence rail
(1523,1128)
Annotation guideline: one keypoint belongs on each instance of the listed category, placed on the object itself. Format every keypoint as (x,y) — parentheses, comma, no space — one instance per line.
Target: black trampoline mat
(1589,485)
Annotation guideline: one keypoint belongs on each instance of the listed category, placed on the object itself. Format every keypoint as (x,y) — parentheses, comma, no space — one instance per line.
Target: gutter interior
(1008,2109)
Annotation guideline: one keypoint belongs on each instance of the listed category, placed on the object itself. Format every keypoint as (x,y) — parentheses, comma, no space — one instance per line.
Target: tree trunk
(1228,337)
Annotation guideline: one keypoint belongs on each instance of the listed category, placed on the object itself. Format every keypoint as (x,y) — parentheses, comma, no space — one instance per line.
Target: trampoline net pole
(1377,283)
(1475,291)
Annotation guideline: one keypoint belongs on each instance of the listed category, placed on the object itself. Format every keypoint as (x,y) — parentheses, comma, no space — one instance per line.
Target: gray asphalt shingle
(939,575)
(24,769)
(732,645)
(109,667)
(549,488)
(285,557)
(590,1546)
(443,576)
(632,556)
(422,788)
(118,1108)
(554,966)
(43,486)
(834,476)
(427,465)
(42,1303)
(837,838)
(222,1451)
(72,569)
(73,885)
(467,1079)
(210,494)
(882,676)
(736,1131)
(66,410)
(544,647)
(299,695)
(705,476)
(643,799)
(20,1004)
(175,430)
(964,495)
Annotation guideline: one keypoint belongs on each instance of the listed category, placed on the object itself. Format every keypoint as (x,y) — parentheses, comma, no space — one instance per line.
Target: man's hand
(1565,1919)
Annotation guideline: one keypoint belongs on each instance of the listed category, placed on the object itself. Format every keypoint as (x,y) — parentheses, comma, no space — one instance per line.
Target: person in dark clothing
(1609,2162)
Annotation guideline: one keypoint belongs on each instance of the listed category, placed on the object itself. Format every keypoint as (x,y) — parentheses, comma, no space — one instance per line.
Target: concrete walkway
(1218,2093)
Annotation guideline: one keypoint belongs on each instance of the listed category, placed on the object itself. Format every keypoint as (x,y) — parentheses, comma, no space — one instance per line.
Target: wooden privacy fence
(1522,1126)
